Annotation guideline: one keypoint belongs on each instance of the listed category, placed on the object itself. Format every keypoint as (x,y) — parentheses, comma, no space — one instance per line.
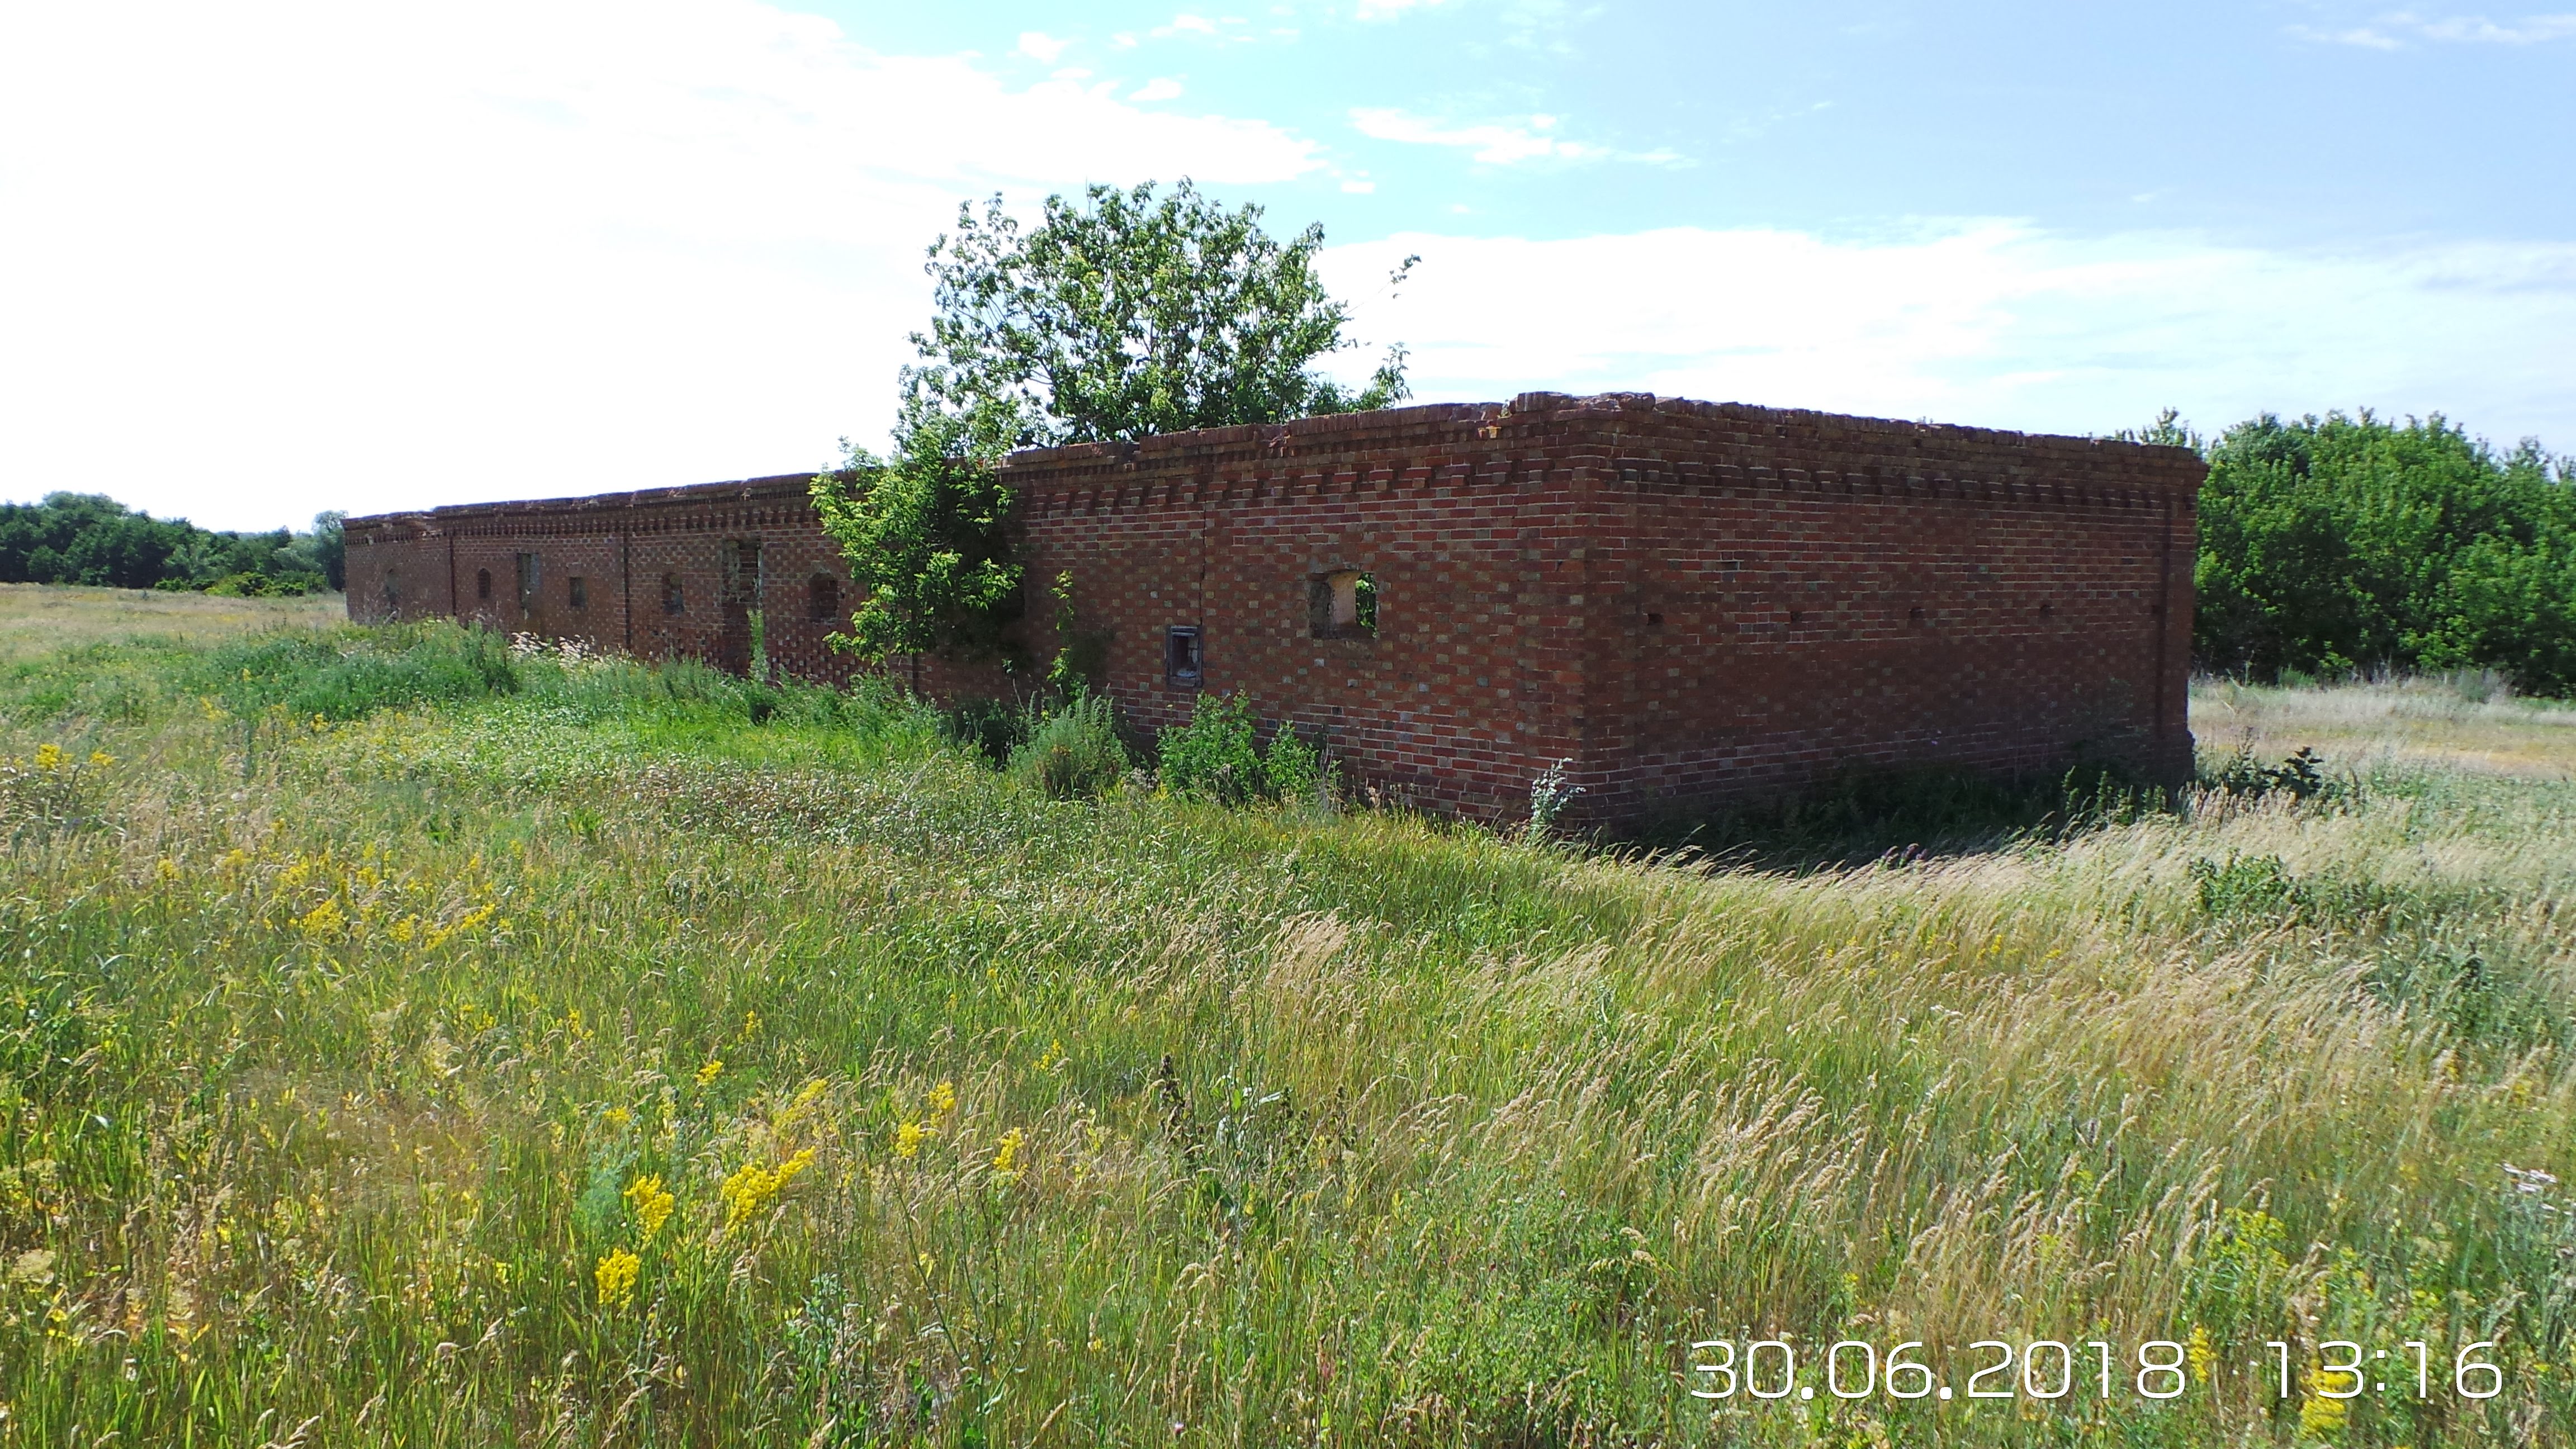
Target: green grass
(335,1055)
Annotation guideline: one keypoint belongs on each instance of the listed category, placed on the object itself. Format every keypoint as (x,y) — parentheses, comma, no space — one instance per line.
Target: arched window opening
(483,585)
(1343,605)
(673,600)
(823,597)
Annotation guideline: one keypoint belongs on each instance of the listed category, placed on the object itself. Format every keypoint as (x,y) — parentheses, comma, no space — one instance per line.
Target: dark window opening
(2047,610)
(1797,617)
(578,588)
(393,595)
(1182,662)
(822,597)
(742,577)
(673,600)
(1343,605)
(483,585)
(527,582)
(1654,621)
(1914,616)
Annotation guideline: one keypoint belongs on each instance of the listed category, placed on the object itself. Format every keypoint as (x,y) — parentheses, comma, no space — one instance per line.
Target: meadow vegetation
(405,1039)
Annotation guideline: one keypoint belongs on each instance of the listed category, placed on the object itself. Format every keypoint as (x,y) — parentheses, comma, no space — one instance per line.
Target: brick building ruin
(1690,603)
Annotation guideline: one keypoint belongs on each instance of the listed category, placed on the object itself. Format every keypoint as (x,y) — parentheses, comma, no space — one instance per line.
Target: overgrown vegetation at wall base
(88,538)
(2352,544)
(588,1053)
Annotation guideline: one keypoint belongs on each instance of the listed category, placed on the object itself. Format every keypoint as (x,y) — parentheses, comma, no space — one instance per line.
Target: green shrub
(1213,757)
(1292,769)
(1073,753)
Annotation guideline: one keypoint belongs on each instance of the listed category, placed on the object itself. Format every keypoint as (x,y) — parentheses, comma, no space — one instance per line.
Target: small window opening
(578,588)
(527,582)
(822,597)
(483,585)
(393,595)
(1343,605)
(1182,662)
(1654,621)
(673,599)
(742,572)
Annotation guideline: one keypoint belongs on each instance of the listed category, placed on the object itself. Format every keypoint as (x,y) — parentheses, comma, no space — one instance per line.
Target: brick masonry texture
(1689,603)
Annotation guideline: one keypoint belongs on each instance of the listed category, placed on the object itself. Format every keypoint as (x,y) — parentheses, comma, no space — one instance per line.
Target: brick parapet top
(1606,431)
(775,488)
(1611,419)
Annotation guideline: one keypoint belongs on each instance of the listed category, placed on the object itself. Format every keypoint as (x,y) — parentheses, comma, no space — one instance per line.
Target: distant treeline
(88,538)
(2349,545)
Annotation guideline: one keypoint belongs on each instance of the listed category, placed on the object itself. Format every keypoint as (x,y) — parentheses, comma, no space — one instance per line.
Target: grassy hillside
(406,1042)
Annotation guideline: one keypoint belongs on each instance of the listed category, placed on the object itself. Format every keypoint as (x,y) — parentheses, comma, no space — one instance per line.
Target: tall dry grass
(567,1059)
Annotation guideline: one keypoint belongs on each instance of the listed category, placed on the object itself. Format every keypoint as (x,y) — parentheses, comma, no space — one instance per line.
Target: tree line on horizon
(90,538)
(2350,545)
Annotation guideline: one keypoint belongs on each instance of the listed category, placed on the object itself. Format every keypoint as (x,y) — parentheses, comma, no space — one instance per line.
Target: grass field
(403,1041)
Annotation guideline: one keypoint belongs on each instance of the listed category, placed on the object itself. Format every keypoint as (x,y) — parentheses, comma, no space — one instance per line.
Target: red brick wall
(622,546)
(1688,601)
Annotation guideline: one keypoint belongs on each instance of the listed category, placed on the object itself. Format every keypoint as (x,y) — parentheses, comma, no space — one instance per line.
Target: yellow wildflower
(708,1073)
(651,1203)
(749,1191)
(750,1025)
(323,920)
(2203,1354)
(617,1273)
(908,1139)
(2321,1417)
(943,1099)
(49,757)
(1006,1162)
(100,759)
(617,1116)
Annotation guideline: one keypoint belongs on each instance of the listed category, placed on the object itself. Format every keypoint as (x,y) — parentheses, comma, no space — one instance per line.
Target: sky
(263,259)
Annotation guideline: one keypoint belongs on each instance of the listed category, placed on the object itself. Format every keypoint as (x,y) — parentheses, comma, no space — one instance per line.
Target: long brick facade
(1687,602)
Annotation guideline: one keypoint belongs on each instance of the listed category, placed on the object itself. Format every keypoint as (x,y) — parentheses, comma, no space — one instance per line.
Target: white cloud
(1499,144)
(2395,29)
(1186,24)
(1989,323)
(1357,187)
(265,260)
(1160,88)
(1041,47)
(1390,9)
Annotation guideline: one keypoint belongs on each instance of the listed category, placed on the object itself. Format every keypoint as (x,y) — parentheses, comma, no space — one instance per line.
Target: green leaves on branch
(2349,543)
(926,537)
(1130,314)
(1119,317)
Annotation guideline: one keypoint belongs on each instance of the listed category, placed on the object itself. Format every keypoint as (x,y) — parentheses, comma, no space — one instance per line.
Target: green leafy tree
(2352,543)
(1120,316)
(1129,314)
(926,537)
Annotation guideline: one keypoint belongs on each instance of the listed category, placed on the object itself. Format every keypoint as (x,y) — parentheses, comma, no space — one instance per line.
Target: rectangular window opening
(577,589)
(1182,662)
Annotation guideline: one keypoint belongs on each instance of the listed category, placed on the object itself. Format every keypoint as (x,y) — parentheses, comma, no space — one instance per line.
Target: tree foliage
(89,538)
(1122,315)
(2352,543)
(1130,314)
